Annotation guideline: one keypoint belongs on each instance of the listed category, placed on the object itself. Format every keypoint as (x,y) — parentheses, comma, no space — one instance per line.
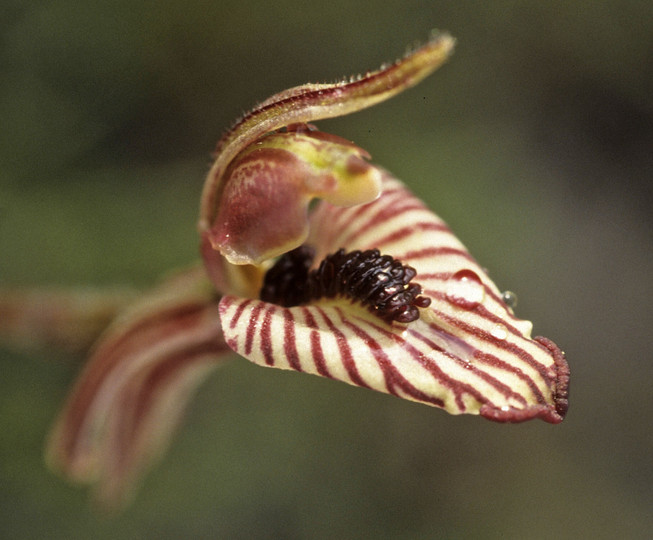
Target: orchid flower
(317,261)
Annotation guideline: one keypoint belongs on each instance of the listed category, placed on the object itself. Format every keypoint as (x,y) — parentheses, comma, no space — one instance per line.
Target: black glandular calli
(379,282)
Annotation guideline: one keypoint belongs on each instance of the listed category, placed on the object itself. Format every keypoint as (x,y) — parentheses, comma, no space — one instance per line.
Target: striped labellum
(466,352)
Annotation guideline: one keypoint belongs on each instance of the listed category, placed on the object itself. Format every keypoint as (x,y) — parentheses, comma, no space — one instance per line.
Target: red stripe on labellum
(553,414)
(266,338)
(525,357)
(494,361)
(489,316)
(486,359)
(490,359)
(390,374)
(316,345)
(402,233)
(345,216)
(508,313)
(393,378)
(444,276)
(479,310)
(486,336)
(289,341)
(251,327)
(457,388)
(239,312)
(434,252)
(486,377)
(439,276)
(387,212)
(345,351)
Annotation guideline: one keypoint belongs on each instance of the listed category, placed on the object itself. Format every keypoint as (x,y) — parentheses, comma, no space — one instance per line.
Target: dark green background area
(535,143)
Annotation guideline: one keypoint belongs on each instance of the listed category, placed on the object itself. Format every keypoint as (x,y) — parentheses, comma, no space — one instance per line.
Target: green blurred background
(535,143)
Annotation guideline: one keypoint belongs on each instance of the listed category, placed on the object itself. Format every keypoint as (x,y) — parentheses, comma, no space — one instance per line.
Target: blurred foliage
(534,142)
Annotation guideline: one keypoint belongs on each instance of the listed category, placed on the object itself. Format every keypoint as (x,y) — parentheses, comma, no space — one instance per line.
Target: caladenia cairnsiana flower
(318,261)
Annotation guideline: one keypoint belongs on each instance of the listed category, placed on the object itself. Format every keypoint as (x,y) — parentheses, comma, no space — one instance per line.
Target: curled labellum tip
(255,198)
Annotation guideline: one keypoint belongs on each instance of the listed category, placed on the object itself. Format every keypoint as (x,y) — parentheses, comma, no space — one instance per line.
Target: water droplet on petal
(499,332)
(509,298)
(465,289)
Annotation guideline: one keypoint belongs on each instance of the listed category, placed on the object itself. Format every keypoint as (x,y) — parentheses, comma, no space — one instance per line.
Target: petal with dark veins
(131,394)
